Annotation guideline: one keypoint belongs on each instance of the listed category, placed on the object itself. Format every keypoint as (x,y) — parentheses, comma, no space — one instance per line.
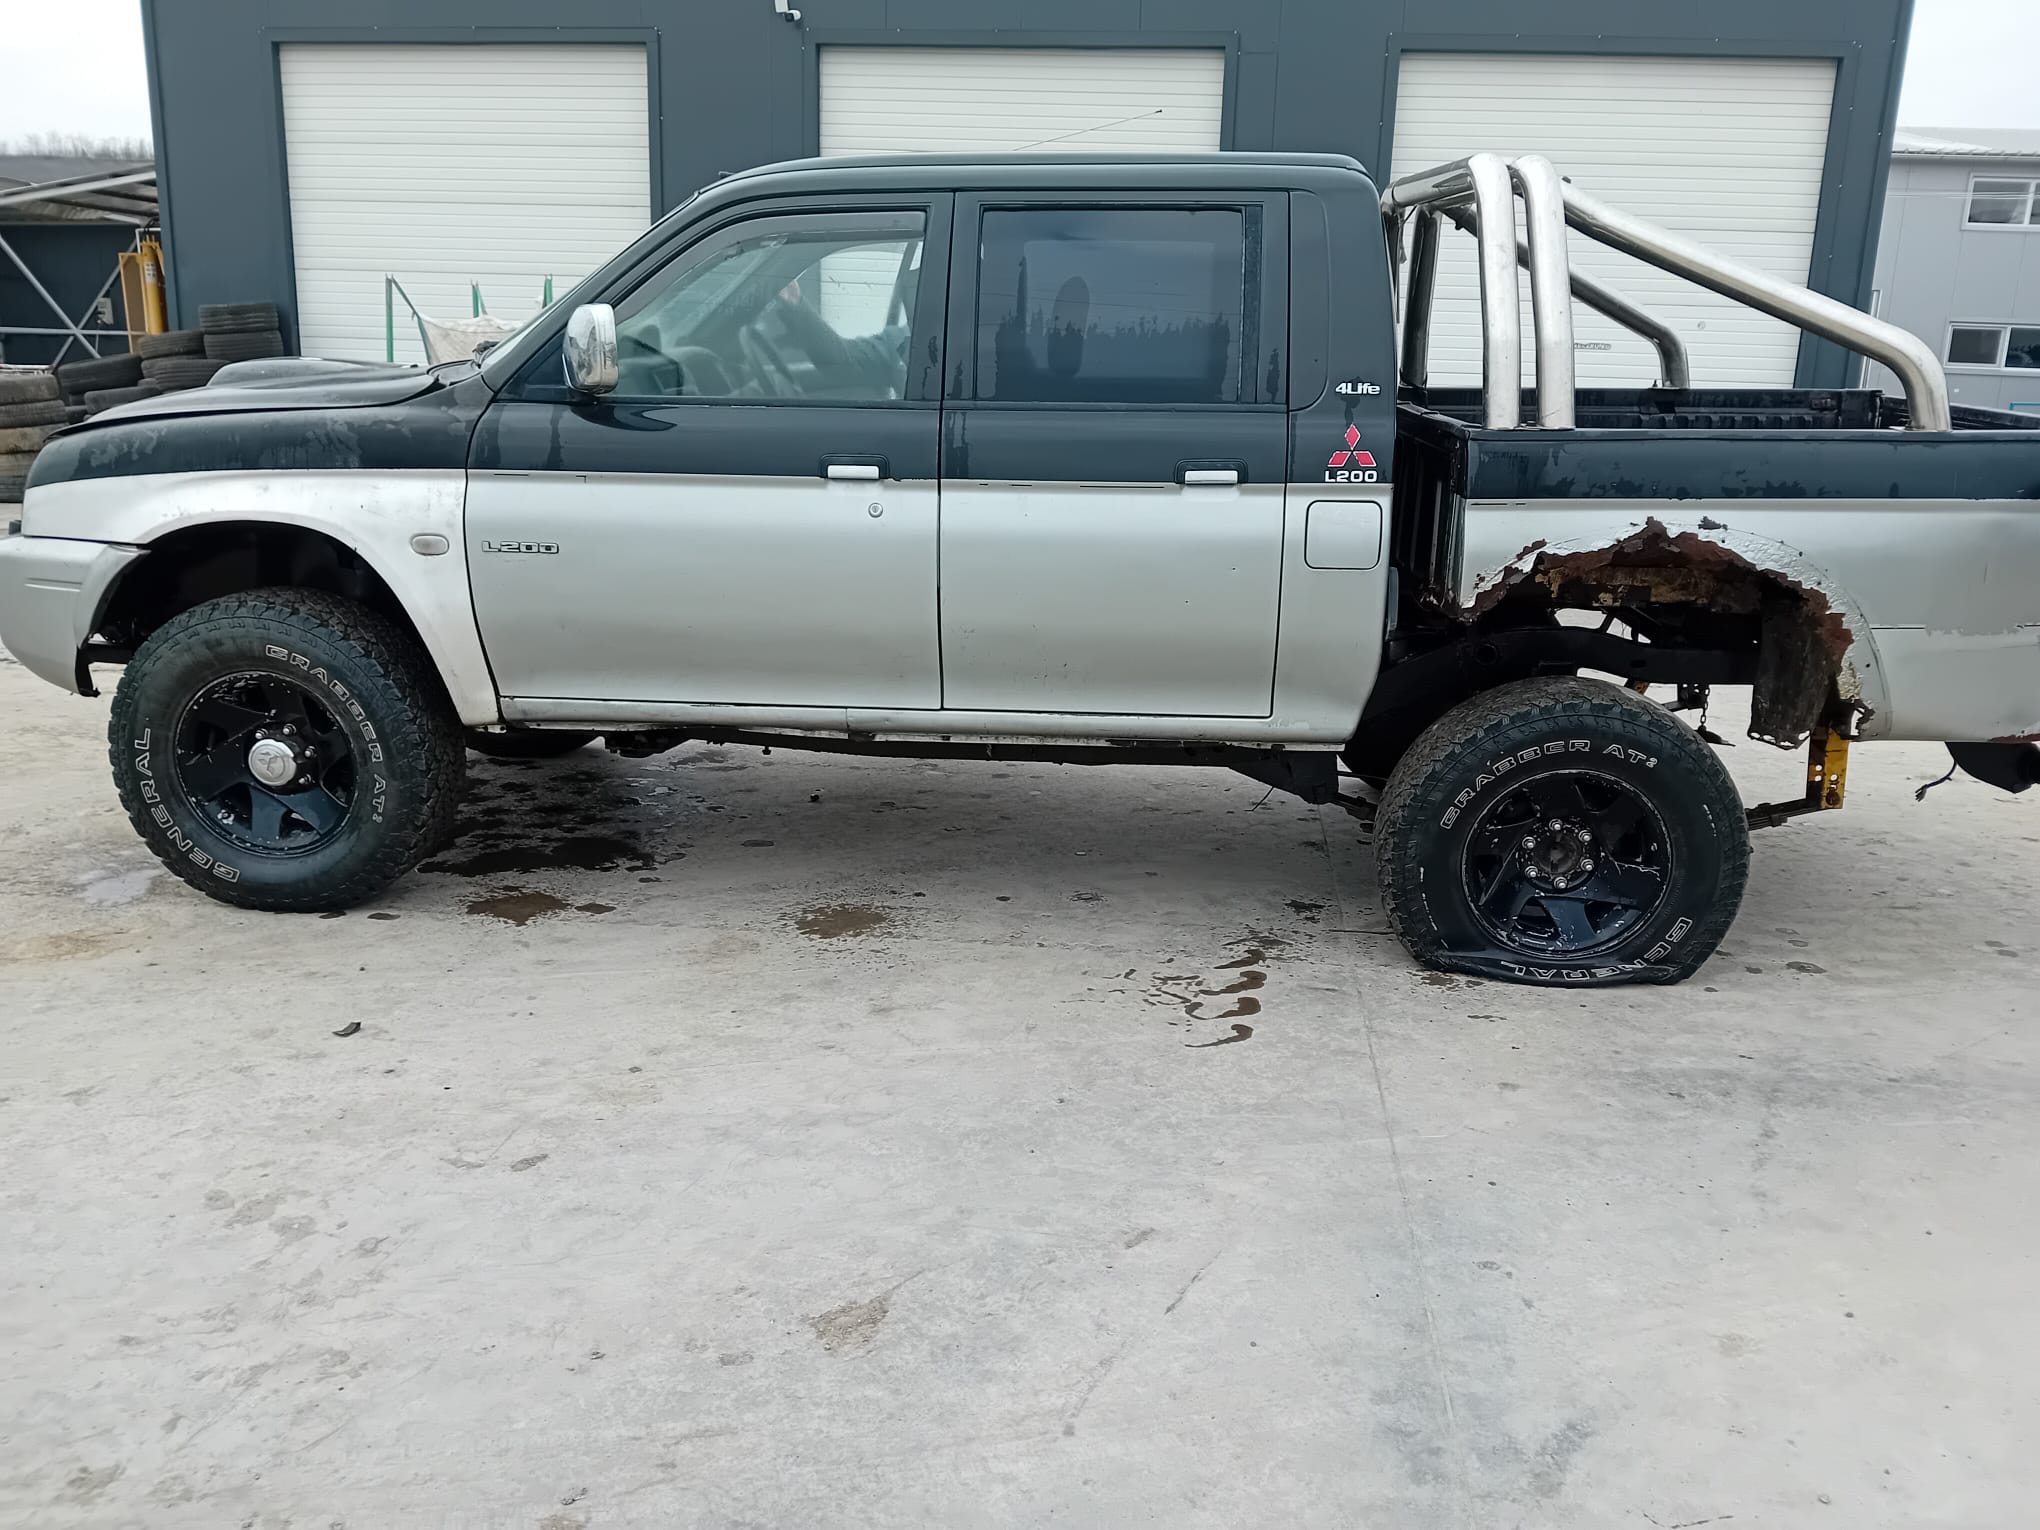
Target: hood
(296,382)
(317,416)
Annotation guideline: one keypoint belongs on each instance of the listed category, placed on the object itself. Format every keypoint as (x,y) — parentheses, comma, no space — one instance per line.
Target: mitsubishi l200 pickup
(1075,458)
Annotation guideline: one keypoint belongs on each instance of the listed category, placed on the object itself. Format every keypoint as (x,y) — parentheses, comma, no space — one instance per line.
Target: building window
(1975,345)
(1999,203)
(2011,347)
(1115,305)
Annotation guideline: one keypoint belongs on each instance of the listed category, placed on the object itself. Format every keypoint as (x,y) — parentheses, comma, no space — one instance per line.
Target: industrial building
(489,154)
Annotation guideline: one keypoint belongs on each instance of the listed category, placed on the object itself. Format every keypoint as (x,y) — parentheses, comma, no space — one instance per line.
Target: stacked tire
(99,382)
(175,359)
(31,410)
(240,332)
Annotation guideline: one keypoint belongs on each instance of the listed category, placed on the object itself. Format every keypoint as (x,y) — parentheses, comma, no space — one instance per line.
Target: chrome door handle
(1211,477)
(854,472)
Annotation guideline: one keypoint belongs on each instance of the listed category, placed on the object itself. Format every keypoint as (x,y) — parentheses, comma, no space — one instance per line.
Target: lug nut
(1586,834)
(1529,841)
(1559,883)
(1587,864)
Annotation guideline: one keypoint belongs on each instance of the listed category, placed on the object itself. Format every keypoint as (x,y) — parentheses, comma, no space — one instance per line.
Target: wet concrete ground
(737,1140)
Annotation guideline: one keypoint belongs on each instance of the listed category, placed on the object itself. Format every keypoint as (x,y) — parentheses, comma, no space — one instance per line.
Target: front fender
(377,514)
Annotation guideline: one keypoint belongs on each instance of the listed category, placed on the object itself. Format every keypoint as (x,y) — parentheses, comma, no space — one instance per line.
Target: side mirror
(590,349)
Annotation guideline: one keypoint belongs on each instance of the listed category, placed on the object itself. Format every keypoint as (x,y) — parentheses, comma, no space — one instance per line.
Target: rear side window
(1113,305)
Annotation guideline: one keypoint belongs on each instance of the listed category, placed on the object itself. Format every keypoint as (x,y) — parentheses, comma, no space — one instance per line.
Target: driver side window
(809,307)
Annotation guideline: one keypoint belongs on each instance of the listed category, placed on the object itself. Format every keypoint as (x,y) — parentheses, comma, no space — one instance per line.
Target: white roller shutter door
(910,100)
(445,164)
(1727,151)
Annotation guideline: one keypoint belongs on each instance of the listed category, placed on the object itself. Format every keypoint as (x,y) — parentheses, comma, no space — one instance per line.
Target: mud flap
(2009,767)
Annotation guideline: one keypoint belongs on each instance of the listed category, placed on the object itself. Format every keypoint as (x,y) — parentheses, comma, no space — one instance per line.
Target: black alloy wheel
(262,758)
(1566,864)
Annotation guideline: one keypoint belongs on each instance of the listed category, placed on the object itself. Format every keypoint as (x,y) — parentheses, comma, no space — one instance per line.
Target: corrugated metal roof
(77,189)
(1966,143)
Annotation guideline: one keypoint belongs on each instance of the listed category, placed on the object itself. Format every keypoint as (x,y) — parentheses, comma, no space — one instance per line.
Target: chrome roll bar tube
(1479,194)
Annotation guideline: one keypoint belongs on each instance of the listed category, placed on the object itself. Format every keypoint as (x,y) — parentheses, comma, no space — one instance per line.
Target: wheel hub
(274,761)
(1559,854)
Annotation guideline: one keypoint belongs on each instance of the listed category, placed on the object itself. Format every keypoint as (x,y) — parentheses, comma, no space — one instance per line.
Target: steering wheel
(767,363)
(702,373)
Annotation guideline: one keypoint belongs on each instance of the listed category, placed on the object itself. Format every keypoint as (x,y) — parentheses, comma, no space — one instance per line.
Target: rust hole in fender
(1803,642)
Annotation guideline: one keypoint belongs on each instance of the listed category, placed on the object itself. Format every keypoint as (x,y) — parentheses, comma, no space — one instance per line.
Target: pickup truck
(1074,458)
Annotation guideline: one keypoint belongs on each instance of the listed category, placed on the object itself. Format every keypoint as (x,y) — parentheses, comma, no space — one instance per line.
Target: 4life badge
(1352,465)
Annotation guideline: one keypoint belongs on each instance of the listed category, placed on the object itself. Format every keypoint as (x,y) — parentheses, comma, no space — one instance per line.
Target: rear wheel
(285,750)
(1562,831)
(528,743)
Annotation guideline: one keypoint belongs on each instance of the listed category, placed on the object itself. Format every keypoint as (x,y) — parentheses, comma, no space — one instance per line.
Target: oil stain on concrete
(841,921)
(515,906)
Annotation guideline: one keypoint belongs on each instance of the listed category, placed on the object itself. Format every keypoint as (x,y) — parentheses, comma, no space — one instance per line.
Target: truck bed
(1688,445)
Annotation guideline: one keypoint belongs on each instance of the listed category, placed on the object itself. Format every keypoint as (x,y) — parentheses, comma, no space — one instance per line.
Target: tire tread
(1412,787)
(422,718)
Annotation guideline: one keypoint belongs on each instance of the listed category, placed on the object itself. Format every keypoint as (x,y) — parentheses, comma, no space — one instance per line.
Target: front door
(750,518)
(1115,455)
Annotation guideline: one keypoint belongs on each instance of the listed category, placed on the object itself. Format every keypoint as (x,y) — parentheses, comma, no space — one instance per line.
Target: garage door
(441,166)
(1728,151)
(995,100)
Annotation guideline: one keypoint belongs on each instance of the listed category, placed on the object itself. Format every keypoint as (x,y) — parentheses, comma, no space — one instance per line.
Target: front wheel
(285,750)
(1562,832)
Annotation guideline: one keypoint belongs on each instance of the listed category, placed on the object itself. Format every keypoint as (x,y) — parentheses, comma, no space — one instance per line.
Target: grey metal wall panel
(1932,272)
(732,86)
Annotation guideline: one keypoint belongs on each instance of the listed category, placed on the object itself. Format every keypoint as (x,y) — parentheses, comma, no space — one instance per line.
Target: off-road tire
(41,411)
(174,342)
(409,766)
(1492,745)
(98,372)
(255,345)
(236,318)
(172,373)
(27,388)
(528,743)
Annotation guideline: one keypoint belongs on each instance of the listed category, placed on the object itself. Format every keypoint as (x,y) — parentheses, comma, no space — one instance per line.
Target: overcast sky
(75,66)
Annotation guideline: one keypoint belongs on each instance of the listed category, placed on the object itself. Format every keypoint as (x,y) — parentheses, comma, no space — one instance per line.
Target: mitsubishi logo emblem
(1352,456)
(1352,465)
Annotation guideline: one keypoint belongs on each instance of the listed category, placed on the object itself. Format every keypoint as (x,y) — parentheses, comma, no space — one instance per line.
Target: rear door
(1114,454)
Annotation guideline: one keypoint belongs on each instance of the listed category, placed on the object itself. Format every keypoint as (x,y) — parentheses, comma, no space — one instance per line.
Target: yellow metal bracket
(1827,771)
(1827,782)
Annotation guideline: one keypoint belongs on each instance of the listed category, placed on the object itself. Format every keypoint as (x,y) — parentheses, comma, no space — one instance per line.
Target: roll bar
(1674,365)
(1479,194)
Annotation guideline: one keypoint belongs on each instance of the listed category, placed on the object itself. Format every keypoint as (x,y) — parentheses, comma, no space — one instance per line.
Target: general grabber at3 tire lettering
(1564,832)
(285,749)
